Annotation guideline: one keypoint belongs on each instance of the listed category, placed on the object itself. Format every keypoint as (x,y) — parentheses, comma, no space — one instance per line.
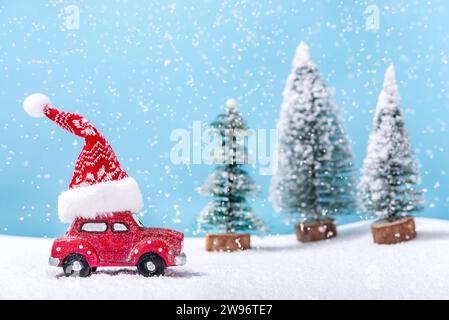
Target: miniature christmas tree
(390,178)
(229,212)
(313,180)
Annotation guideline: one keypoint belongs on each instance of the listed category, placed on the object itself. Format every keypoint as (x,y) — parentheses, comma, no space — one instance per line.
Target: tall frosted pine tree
(229,184)
(390,178)
(313,180)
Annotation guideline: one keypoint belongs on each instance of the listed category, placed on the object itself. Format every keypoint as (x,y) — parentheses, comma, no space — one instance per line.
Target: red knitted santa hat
(99,184)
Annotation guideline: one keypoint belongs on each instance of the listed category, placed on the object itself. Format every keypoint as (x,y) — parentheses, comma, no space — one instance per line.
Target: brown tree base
(228,242)
(309,231)
(385,232)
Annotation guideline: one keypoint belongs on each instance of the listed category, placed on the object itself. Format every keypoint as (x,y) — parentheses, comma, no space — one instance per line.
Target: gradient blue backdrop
(139,69)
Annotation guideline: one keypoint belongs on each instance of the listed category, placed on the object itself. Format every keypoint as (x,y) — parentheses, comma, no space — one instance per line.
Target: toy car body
(116,240)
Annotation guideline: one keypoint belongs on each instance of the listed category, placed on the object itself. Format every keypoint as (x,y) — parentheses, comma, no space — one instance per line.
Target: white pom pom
(35,104)
(231,103)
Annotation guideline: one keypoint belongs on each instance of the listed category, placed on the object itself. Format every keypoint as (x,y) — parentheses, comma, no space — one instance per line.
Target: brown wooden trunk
(309,231)
(228,242)
(393,232)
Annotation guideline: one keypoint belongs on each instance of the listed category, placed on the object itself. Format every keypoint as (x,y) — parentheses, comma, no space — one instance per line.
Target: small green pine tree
(313,179)
(390,178)
(229,183)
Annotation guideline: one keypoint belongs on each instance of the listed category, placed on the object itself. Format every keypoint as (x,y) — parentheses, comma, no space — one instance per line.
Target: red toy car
(117,240)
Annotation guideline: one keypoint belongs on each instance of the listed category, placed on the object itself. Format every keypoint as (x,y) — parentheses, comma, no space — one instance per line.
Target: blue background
(139,69)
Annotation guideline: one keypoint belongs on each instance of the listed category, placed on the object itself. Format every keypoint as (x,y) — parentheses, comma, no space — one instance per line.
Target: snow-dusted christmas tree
(314,175)
(229,184)
(390,178)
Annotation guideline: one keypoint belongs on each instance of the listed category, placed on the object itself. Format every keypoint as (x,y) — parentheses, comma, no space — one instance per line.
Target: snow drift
(350,266)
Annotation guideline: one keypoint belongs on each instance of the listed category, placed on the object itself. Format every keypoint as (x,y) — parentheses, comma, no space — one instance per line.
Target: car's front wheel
(75,265)
(151,264)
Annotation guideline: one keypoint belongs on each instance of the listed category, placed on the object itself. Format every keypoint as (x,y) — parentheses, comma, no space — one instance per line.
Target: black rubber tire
(158,262)
(67,266)
(93,269)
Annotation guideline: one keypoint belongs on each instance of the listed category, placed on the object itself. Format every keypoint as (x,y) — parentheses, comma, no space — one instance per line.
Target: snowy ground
(347,267)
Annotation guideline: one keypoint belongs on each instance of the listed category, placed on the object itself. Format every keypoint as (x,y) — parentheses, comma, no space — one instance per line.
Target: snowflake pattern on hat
(99,184)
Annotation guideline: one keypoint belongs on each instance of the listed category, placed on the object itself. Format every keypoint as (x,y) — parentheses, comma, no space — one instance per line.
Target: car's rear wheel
(75,265)
(151,264)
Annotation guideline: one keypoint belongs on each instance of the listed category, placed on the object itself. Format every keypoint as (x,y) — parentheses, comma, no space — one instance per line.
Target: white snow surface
(350,266)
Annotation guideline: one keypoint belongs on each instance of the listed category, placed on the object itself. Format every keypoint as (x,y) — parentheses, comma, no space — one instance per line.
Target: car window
(137,220)
(119,227)
(94,227)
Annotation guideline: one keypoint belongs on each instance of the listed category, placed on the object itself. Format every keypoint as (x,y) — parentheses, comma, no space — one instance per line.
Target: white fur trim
(35,104)
(100,199)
